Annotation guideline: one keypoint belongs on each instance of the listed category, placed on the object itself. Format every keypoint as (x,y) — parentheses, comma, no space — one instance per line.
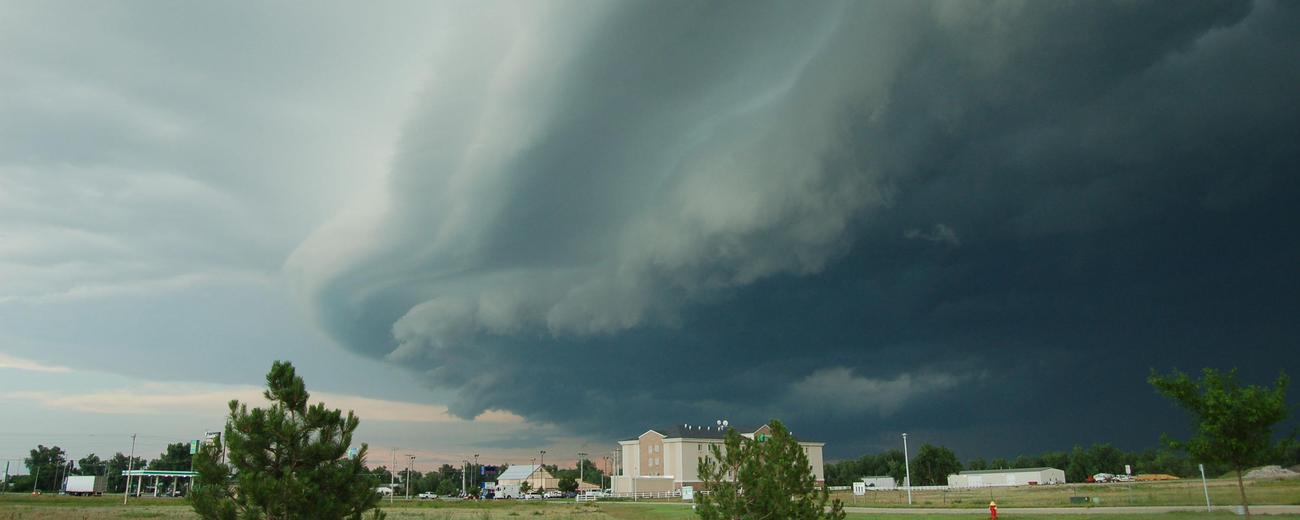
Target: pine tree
(769,477)
(286,462)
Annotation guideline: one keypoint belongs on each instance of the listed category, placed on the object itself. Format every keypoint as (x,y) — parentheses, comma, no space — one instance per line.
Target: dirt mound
(1271,472)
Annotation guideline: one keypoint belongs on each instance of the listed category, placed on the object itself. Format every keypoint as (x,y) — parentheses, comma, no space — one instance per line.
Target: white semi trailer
(86,485)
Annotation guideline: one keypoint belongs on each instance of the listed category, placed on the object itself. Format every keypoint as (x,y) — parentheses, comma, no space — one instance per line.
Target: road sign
(194,447)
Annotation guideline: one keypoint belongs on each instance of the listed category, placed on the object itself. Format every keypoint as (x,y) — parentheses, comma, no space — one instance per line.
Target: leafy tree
(175,458)
(289,460)
(1234,423)
(449,488)
(117,466)
(567,484)
(977,464)
(44,463)
(90,465)
(762,478)
(933,464)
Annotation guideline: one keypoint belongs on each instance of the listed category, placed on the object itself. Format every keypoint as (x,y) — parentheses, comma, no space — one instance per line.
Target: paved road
(1259,510)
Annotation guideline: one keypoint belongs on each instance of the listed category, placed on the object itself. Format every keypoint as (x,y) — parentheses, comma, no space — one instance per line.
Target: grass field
(1169,493)
(26,507)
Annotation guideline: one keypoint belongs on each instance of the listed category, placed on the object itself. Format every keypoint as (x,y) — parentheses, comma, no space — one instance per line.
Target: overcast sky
(502,227)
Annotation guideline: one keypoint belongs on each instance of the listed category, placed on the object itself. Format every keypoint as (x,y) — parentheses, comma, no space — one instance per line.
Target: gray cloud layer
(600,192)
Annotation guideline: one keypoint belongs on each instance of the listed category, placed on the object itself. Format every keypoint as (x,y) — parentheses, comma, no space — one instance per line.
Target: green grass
(1168,493)
(26,507)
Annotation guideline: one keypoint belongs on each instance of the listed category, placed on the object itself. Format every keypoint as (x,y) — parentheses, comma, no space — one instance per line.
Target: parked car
(1103,477)
(532,496)
(427,495)
(552,494)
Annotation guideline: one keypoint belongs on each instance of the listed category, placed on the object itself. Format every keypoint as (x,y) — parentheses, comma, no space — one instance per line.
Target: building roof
(1013,470)
(519,472)
(686,431)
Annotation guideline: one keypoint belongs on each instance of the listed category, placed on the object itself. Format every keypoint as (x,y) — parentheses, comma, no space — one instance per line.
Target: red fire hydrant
(993,510)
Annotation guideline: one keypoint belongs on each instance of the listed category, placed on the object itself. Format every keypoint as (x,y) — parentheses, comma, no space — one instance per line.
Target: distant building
(880,482)
(1007,477)
(536,476)
(665,459)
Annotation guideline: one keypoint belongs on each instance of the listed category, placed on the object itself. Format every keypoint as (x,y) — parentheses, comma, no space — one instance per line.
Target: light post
(907,467)
(542,467)
(392,478)
(474,480)
(532,464)
(581,457)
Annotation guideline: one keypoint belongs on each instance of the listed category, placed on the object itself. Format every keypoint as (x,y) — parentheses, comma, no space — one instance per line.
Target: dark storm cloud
(948,218)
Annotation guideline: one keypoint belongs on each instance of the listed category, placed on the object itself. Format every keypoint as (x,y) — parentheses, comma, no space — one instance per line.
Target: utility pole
(127,491)
(463,469)
(4,488)
(406,482)
(581,457)
(908,467)
(392,478)
(477,470)
(543,468)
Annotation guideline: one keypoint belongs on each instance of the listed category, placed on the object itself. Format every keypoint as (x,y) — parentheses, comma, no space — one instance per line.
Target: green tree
(175,458)
(448,488)
(568,484)
(763,477)
(525,487)
(289,461)
(933,464)
(44,463)
(1234,423)
(116,466)
(90,465)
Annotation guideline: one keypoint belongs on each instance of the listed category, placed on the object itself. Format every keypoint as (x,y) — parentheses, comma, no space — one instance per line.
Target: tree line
(47,467)
(1234,423)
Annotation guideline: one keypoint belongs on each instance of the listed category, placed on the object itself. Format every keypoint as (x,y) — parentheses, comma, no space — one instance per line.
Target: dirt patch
(1271,472)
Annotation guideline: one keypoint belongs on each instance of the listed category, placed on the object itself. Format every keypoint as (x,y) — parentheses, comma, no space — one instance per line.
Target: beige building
(665,459)
(536,476)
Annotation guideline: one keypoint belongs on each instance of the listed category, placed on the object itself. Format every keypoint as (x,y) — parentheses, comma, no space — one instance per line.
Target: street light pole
(908,467)
(543,468)
(477,469)
(392,478)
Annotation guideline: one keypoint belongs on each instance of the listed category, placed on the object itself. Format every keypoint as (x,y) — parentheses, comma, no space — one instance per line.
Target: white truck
(86,485)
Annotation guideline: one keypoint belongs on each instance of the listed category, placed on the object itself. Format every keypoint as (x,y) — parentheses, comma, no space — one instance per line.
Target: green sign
(194,447)
(762,437)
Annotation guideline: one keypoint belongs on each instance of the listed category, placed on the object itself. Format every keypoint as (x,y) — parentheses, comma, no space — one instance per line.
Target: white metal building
(880,482)
(1007,477)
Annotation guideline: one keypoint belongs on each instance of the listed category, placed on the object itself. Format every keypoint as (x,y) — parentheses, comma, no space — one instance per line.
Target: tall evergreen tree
(1234,423)
(767,477)
(286,462)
